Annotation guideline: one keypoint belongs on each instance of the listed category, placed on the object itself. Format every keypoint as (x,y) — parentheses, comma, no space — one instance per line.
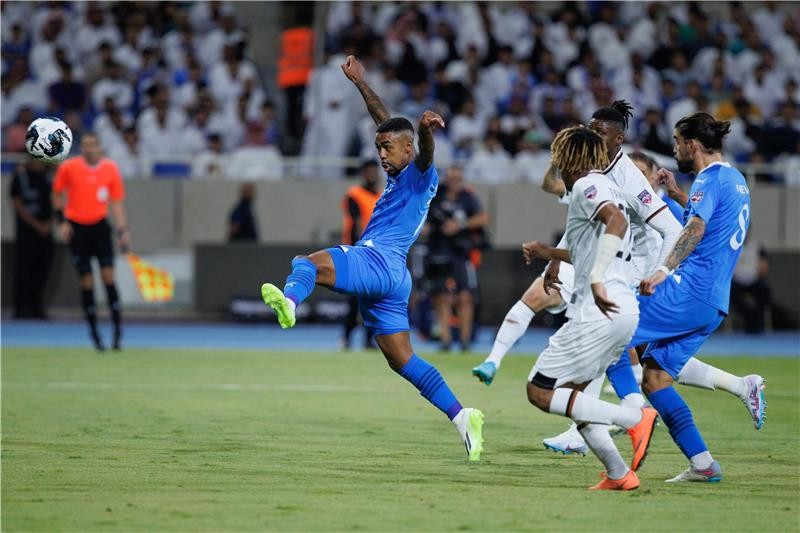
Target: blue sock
(678,418)
(621,377)
(431,385)
(301,281)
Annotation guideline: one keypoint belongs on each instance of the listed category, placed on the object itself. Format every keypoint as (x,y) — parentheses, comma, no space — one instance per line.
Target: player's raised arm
(667,179)
(427,123)
(354,71)
(553,183)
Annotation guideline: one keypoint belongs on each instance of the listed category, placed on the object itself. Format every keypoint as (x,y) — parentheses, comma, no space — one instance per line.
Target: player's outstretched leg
(617,475)
(571,441)
(514,326)
(749,389)
(678,418)
(306,272)
(426,378)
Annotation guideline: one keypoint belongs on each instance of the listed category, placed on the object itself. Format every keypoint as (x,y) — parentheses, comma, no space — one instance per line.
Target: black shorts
(91,240)
(453,275)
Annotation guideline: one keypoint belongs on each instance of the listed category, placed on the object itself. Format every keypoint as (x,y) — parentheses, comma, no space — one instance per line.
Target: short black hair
(366,164)
(395,124)
(644,158)
(704,128)
(619,112)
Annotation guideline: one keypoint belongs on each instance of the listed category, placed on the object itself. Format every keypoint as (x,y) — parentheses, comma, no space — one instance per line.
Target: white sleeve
(565,198)
(669,228)
(642,199)
(590,195)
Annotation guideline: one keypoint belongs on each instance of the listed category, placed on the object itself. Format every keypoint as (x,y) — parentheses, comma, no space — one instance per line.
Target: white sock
(513,327)
(699,374)
(634,400)
(595,386)
(291,304)
(588,409)
(601,443)
(637,373)
(701,460)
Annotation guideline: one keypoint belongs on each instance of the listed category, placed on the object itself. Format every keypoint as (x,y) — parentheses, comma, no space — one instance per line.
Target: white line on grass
(247,387)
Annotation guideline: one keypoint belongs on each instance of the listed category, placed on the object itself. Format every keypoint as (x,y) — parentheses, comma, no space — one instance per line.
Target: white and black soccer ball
(48,139)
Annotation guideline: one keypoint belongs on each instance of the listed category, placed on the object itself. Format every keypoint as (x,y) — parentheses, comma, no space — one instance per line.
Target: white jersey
(589,195)
(642,204)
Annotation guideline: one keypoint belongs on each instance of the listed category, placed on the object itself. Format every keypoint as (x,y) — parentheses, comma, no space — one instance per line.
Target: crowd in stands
(163,80)
(155,81)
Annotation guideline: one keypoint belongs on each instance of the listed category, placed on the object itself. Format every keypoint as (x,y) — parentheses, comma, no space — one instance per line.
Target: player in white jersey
(603,311)
(650,220)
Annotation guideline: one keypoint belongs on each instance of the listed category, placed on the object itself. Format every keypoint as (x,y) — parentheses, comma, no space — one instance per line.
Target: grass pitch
(179,440)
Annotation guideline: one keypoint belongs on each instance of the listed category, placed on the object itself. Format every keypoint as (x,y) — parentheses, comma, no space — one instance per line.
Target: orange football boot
(640,436)
(629,481)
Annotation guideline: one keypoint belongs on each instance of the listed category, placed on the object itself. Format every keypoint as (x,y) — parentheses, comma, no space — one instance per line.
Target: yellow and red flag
(155,284)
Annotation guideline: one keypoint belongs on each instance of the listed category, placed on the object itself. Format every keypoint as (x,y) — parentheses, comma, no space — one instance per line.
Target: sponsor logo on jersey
(591,192)
(696,196)
(645,197)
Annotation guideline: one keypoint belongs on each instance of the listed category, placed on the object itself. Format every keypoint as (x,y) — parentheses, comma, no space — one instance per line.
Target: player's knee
(539,397)
(653,381)
(465,297)
(537,299)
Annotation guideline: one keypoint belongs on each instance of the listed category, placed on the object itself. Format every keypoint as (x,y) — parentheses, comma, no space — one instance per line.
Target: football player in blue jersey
(687,298)
(374,269)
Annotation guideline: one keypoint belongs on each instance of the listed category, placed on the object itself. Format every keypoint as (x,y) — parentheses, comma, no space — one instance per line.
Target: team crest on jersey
(645,197)
(590,192)
(696,196)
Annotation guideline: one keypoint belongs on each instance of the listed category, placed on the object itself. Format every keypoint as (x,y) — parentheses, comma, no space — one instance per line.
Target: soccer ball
(48,139)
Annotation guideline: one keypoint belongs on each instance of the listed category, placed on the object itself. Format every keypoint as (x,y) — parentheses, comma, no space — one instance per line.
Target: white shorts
(581,351)
(566,273)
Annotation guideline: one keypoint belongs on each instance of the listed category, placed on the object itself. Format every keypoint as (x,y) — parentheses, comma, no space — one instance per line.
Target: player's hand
(551,280)
(430,120)
(667,179)
(601,300)
(65,231)
(533,249)
(648,285)
(353,69)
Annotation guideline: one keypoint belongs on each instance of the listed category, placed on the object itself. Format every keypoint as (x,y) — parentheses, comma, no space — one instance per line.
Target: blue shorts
(675,323)
(381,285)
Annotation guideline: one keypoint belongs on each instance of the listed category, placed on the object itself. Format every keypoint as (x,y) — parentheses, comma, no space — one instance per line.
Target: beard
(685,166)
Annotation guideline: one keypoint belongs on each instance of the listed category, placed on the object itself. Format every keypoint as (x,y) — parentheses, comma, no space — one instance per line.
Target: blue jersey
(719,196)
(673,206)
(401,211)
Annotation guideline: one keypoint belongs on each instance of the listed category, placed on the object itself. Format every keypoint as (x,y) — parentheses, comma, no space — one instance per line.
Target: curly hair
(578,148)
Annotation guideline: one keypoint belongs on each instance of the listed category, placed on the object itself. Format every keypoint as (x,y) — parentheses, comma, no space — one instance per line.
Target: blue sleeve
(422,180)
(703,199)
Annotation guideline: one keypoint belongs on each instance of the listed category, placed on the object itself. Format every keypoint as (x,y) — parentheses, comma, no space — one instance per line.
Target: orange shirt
(89,188)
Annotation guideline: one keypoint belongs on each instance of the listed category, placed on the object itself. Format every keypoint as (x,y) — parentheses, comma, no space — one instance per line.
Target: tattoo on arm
(425,144)
(375,106)
(688,240)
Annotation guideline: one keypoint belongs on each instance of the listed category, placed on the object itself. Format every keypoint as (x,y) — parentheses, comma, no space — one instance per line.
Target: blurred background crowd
(172,81)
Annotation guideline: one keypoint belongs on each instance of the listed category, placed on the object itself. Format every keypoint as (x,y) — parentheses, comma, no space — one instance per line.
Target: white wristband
(607,247)
(665,270)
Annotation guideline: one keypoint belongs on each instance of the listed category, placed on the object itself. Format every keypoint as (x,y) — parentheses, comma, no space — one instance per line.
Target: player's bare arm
(667,179)
(551,280)
(533,249)
(690,237)
(427,123)
(616,226)
(354,71)
(552,182)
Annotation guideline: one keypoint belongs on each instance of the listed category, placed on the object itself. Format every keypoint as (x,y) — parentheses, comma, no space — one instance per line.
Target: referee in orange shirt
(91,184)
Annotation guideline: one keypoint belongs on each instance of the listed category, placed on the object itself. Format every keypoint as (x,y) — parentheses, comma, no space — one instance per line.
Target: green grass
(162,440)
